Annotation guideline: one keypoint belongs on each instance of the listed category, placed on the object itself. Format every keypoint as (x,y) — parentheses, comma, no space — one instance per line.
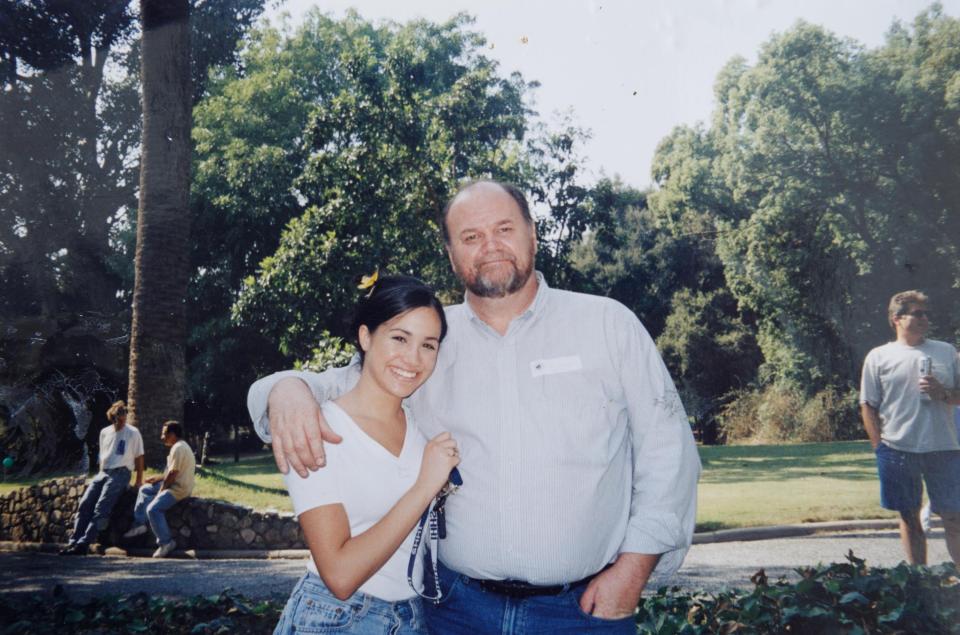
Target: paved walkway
(708,567)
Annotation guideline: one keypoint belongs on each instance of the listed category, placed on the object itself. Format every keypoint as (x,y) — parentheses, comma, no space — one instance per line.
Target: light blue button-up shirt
(575,446)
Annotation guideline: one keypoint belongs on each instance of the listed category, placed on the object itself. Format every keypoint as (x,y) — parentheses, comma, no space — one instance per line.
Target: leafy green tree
(69,141)
(69,161)
(397,116)
(62,179)
(710,351)
(836,159)
(830,175)
(556,184)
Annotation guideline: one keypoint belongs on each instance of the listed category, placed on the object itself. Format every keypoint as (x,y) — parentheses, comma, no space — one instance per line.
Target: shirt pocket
(573,413)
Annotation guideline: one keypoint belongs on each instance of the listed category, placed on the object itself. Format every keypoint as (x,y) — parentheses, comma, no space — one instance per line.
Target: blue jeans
(470,610)
(312,608)
(153,504)
(97,502)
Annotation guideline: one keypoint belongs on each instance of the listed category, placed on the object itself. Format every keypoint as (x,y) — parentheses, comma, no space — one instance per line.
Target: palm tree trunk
(158,333)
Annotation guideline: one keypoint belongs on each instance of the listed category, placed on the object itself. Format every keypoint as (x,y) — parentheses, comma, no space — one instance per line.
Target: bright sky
(632,70)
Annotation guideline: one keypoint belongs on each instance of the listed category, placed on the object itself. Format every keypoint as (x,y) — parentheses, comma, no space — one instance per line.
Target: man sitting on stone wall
(121,451)
(160,493)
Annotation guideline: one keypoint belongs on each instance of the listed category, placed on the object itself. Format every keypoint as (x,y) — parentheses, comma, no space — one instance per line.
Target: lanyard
(433,517)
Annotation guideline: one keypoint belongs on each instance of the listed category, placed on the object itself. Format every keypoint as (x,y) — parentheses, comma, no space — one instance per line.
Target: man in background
(160,493)
(121,451)
(908,390)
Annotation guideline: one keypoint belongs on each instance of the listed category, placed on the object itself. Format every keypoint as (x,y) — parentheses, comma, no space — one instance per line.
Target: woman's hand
(439,457)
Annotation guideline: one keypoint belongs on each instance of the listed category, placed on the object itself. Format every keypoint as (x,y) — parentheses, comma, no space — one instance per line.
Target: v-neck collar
(373,442)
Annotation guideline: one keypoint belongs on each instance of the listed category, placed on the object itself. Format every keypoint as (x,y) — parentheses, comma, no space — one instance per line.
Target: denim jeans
(312,608)
(97,502)
(152,504)
(470,610)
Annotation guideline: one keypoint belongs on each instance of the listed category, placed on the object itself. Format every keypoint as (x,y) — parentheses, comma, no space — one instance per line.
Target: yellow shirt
(181,459)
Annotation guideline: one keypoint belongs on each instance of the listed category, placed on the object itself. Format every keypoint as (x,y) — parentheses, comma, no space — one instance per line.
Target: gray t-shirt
(909,420)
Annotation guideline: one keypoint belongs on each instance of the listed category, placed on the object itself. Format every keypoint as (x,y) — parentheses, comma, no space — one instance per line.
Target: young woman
(358,512)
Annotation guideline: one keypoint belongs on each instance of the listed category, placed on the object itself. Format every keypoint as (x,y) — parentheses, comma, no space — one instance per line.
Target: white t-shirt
(910,421)
(368,481)
(119,449)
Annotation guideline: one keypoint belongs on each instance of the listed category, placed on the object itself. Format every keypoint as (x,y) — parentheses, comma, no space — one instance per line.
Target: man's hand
(153,479)
(297,427)
(615,593)
(931,386)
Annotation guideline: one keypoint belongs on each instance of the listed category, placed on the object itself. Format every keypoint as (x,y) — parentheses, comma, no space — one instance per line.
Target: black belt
(521,589)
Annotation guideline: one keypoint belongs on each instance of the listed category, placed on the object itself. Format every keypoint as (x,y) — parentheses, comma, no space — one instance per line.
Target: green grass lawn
(741,486)
(744,486)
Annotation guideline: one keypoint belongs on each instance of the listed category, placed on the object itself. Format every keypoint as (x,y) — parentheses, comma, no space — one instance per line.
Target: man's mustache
(504,257)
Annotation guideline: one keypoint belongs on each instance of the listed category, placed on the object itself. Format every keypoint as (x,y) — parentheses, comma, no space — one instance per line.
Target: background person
(579,462)
(358,513)
(910,422)
(121,451)
(163,492)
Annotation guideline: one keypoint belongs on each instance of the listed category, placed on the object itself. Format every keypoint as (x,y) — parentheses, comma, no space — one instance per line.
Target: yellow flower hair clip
(368,282)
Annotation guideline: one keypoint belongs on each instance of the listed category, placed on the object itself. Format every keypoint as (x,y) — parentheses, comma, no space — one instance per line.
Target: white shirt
(909,420)
(575,446)
(120,449)
(367,480)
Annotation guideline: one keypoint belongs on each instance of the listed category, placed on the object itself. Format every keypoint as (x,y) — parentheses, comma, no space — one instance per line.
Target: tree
(65,170)
(69,135)
(556,183)
(829,175)
(711,353)
(396,115)
(836,160)
(158,332)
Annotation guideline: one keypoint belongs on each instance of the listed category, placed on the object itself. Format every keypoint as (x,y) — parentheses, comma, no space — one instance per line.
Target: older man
(907,390)
(579,465)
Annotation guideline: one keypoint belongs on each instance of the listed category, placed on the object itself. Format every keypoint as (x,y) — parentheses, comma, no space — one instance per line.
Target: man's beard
(481,287)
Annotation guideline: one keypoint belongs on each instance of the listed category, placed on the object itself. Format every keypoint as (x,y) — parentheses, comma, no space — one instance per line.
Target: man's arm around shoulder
(285,409)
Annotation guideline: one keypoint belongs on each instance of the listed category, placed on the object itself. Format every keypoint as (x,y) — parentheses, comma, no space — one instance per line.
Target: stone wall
(45,513)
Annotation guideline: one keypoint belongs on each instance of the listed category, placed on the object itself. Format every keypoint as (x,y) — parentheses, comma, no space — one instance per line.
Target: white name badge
(555,365)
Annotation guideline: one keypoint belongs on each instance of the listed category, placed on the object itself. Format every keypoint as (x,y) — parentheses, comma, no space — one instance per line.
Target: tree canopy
(370,129)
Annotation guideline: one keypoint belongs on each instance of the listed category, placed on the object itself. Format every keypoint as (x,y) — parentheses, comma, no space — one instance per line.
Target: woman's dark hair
(391,296)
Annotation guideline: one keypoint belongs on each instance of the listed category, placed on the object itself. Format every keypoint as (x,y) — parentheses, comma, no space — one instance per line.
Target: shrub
(847,598)
(839,598)
(779,413)
(228,612)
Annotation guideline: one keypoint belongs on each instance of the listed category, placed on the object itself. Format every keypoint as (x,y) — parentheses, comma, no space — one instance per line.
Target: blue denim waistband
(362,602)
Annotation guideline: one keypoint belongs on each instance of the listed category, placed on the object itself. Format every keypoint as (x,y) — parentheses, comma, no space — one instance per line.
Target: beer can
(926,366)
